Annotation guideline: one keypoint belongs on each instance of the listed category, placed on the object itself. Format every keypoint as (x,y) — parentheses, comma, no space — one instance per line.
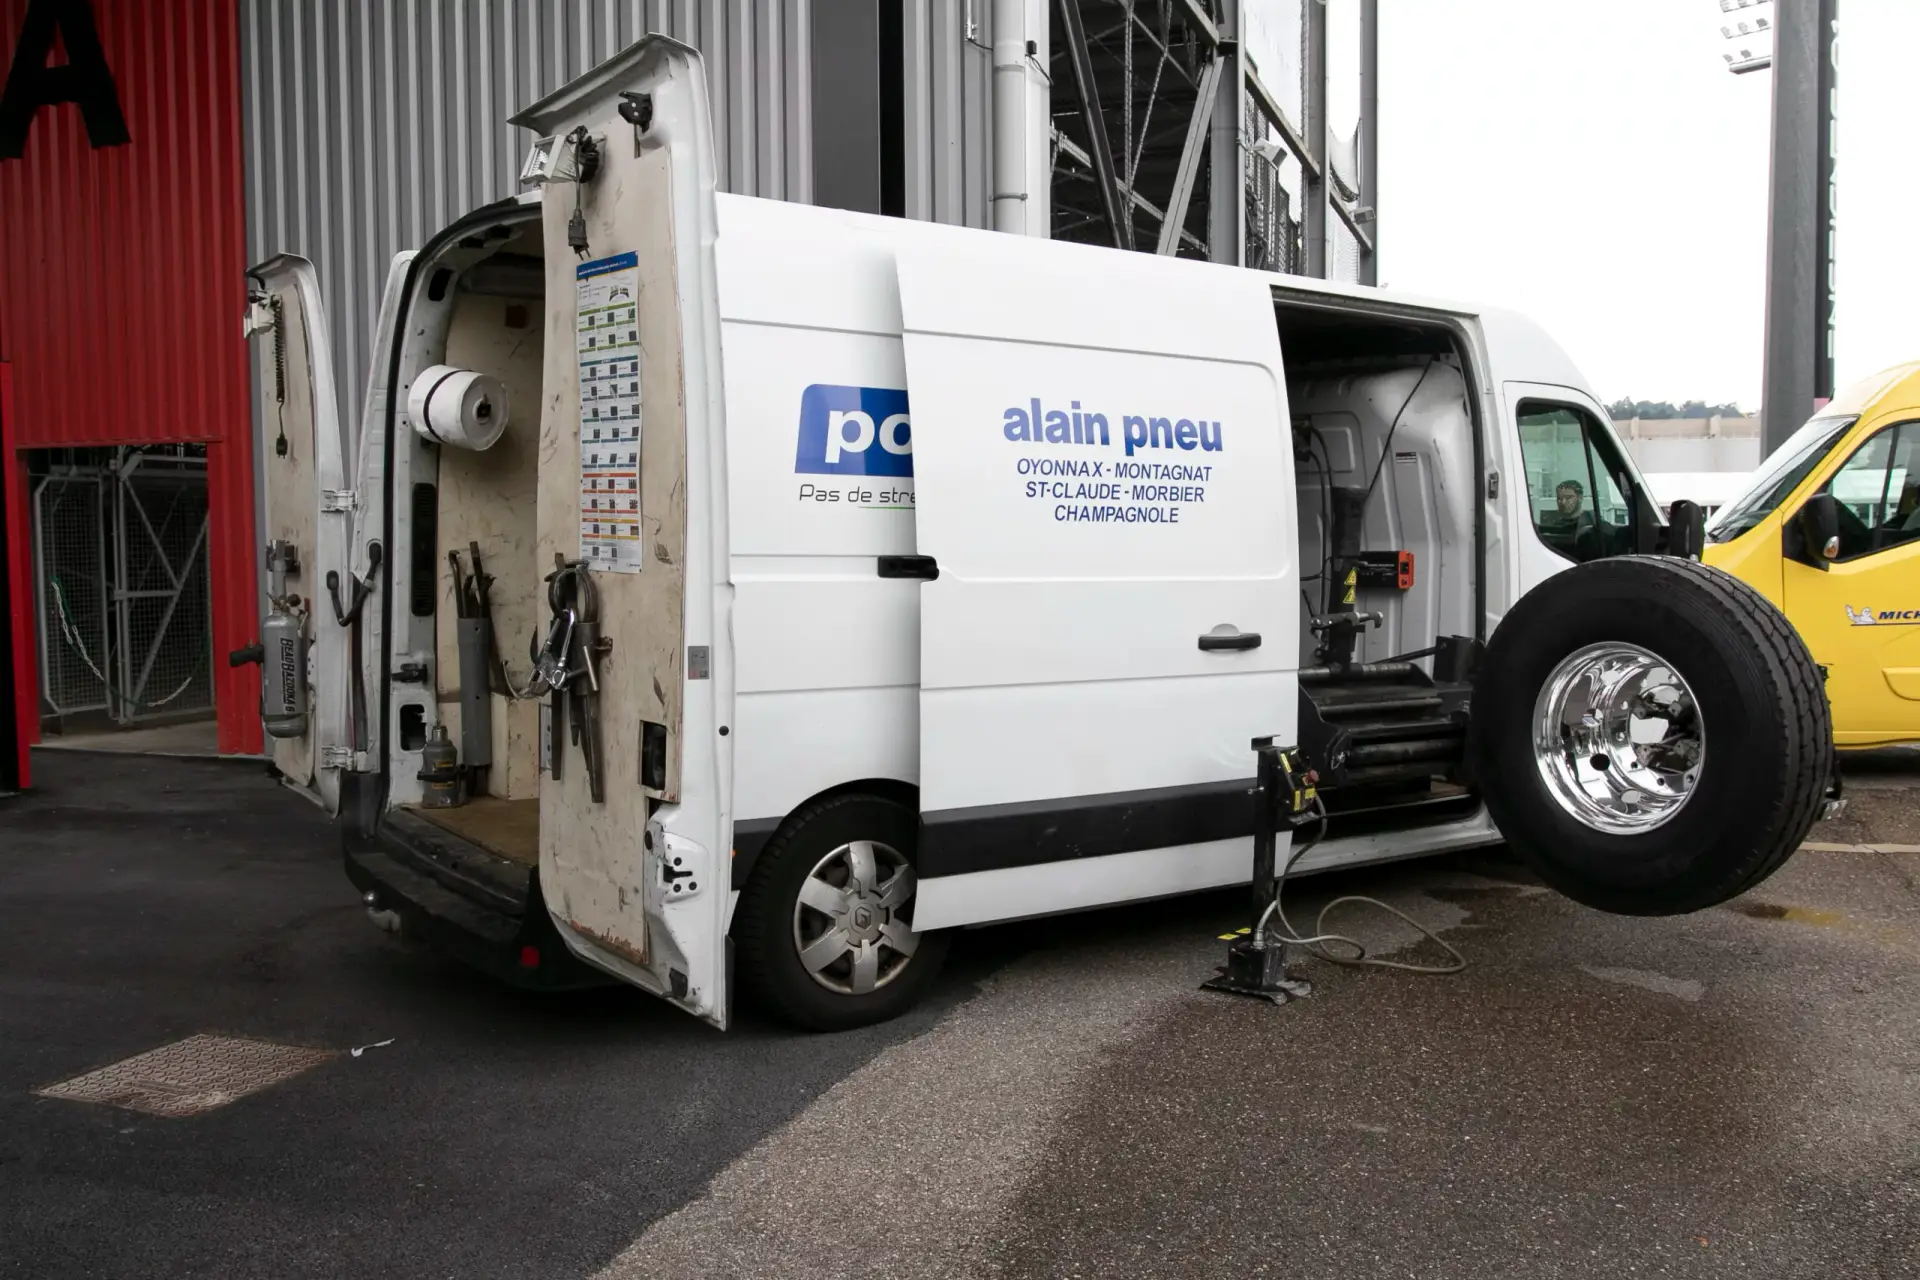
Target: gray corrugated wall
(948,93)
(369,125)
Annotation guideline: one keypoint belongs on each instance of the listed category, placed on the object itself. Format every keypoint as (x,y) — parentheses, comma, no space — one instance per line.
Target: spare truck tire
(1650,735)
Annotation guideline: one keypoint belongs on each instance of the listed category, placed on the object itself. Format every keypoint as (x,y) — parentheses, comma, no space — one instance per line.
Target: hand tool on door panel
(572,595)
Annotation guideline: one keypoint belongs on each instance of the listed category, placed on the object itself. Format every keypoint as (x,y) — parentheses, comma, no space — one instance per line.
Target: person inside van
(1568,498)
(1567,519)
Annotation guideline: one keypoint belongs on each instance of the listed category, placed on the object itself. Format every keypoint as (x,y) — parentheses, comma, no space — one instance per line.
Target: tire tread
(1788,669)
(1808,771)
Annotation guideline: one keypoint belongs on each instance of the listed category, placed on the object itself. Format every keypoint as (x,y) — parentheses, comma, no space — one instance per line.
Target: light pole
(1797,377)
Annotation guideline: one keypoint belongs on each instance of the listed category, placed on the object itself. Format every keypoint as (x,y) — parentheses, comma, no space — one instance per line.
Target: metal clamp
(550,659)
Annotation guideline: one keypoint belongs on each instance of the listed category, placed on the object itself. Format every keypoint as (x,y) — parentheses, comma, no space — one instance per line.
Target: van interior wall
(489,498)
(1343,415)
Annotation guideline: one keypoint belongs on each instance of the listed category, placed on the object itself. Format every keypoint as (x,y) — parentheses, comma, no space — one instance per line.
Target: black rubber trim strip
(1001,836)
(749,838)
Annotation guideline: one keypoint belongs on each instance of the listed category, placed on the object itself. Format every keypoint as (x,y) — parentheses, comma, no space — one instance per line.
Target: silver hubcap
(1618,738)
(853,922)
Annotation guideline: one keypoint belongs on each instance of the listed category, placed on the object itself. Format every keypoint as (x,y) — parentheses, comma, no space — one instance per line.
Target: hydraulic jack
(1283,797)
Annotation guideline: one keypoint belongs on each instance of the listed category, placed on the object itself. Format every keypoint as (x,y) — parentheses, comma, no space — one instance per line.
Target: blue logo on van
(854,431)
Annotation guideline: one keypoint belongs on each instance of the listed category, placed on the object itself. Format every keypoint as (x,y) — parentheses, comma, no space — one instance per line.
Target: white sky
(1593,163)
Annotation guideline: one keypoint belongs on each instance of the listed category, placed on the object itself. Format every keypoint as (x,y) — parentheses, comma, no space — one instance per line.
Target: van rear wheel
(1650,735)
(824,933)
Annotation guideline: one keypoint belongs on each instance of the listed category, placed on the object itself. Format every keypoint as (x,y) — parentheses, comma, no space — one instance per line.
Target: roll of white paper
(458,407)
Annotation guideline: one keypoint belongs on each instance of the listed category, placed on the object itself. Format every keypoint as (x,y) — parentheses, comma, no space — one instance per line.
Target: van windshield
(1779,476)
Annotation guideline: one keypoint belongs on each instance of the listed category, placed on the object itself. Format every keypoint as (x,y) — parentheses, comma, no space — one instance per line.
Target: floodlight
(556,159)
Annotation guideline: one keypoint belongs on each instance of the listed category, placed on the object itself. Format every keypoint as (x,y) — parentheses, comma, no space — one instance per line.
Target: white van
(903,577)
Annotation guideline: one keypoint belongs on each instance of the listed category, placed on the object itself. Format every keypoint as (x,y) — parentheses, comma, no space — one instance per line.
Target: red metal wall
(121,280)
(19,574)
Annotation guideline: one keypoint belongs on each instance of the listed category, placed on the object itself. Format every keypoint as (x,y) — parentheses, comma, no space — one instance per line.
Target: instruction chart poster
(608,345)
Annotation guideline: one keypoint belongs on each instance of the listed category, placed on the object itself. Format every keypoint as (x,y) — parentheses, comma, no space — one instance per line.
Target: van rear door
(633,854)
(309,508)
(1105,489)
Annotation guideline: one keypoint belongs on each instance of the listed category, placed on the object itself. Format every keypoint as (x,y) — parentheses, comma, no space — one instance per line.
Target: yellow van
(1829,530)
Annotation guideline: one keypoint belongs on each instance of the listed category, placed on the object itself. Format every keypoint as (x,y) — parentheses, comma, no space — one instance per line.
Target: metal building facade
(348,132)
(117,250)
(369,126)
(1203,128)
(121,200)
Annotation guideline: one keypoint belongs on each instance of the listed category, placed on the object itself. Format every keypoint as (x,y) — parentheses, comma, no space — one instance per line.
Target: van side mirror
(1686,529)
(1813,535)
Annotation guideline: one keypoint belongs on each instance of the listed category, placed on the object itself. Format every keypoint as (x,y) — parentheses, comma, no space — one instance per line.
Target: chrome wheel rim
(852,923)
(1618,738)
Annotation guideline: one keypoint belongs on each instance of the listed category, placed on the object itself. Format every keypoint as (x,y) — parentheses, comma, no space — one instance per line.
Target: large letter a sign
(83,79)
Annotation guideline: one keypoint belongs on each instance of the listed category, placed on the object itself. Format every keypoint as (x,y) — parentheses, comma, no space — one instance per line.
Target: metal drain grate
(189,1077)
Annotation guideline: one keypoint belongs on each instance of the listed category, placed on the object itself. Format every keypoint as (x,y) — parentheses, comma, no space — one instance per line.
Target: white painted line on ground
(1812,846)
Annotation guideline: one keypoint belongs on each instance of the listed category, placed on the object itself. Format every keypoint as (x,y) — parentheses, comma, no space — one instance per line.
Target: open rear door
(633,857)
(309,510)
(1104,486)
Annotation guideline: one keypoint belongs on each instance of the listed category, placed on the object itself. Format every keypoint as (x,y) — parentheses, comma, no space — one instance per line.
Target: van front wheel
(824,933)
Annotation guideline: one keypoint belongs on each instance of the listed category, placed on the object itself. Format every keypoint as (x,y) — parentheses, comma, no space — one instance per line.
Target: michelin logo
(854,431)
(1882,618)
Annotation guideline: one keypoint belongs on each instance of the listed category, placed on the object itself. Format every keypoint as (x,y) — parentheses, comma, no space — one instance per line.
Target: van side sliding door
(1105,488)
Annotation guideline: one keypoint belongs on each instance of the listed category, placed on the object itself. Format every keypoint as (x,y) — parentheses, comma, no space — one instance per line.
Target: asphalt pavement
(1733,1093)
(144,900)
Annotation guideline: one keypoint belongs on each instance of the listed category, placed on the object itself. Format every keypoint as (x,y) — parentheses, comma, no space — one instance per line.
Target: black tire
(1768,734)
(767,955)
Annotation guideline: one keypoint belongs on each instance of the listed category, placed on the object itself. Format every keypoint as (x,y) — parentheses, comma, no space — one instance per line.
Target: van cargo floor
(510,828)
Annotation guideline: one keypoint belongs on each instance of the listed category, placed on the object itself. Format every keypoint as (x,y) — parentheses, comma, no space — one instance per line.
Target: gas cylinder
(440,771)
(281,650)
(283,674)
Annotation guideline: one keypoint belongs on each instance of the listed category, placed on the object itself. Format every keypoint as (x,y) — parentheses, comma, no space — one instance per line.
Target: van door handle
(1219,640)
(922,567)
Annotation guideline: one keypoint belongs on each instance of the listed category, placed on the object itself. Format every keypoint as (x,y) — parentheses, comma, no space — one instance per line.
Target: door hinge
(338,500)
(343,758)
(1493,484)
